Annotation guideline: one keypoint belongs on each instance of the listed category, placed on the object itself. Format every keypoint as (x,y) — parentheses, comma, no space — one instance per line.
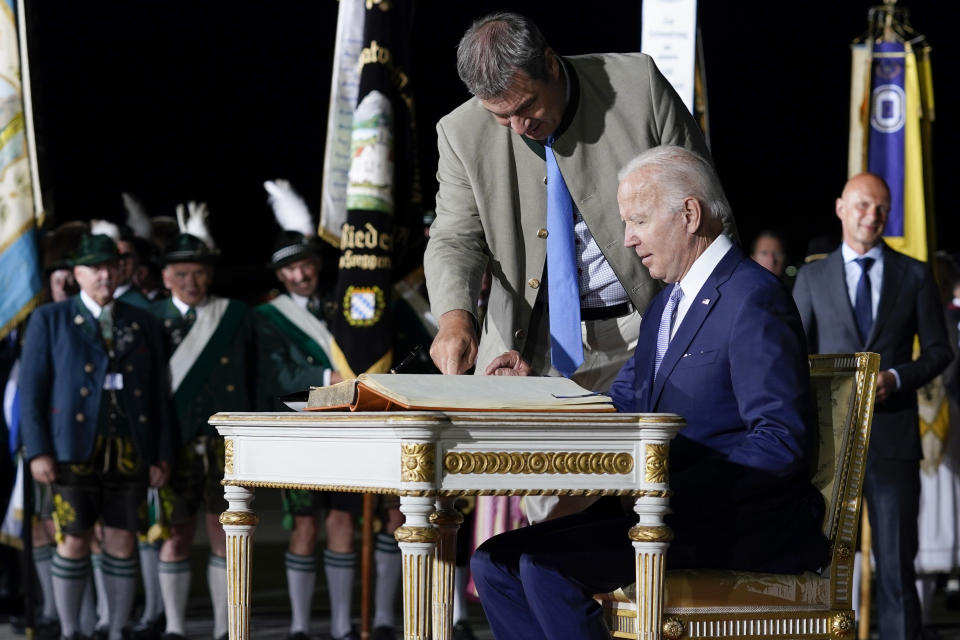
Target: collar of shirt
(699,271)
(182,306)
(852,272)
(93,307)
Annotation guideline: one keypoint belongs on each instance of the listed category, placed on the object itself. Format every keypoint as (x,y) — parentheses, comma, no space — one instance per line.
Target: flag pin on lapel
(705,301)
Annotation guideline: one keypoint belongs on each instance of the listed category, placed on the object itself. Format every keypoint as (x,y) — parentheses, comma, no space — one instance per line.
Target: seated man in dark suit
(722,346)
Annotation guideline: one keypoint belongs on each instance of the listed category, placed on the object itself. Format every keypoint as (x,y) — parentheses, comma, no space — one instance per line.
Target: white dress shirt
(697,275)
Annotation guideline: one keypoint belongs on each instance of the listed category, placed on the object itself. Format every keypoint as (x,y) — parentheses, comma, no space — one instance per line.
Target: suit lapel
(892,273)
(86,324)
(837,290)
(702,303)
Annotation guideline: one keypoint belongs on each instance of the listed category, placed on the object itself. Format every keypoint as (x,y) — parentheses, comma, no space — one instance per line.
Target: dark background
(204,100)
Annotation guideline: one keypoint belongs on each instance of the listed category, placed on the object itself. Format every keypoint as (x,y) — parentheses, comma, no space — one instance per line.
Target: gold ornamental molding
(657,465)
(841,624)
(416,461)
(446,518)
(843,551)
(646,533)
(515,462)
(384,491)
(673,628)
(633,493)
(239,518)
(228,455)
(416,534)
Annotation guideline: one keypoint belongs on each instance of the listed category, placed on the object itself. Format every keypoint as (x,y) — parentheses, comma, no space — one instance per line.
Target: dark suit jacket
(62,371)
(909,305)
(229,383)
(737,371)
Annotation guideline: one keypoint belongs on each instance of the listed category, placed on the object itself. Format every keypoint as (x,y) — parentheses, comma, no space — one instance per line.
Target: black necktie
(863,302)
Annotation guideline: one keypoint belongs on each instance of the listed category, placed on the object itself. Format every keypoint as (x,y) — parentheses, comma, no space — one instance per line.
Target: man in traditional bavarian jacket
(211,369)
(294,346)
(96,423)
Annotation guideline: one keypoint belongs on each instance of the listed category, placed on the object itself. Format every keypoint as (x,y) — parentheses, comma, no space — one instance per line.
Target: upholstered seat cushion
(699,589)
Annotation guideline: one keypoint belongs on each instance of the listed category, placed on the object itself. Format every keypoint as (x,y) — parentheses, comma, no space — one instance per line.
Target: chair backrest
(844,387)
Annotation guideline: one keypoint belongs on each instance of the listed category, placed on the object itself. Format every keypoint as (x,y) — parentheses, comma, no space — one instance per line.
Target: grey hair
(681,173)
(494,48)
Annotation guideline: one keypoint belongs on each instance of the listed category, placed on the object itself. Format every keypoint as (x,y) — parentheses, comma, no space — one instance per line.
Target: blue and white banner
(888,117)
(20,279)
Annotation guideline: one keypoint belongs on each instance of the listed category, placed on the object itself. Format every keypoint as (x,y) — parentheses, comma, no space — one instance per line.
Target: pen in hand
(406,361)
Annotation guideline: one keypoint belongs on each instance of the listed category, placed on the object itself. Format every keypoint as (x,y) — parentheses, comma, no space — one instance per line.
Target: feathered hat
(297,240)
(194,244)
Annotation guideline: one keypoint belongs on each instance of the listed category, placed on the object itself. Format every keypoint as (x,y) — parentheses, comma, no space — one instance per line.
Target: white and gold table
(430,458)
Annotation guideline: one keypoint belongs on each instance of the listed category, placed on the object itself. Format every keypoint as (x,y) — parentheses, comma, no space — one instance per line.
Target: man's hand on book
(509,364)
(454,350)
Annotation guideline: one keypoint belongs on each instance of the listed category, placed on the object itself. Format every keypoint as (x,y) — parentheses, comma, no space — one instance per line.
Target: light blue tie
(666,323)
(563,288)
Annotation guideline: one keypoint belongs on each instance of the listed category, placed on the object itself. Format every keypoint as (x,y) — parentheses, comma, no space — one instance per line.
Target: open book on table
(391,392)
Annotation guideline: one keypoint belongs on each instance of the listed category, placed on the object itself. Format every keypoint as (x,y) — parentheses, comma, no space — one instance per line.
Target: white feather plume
(289,208)
(192,219)
(137,217)
(105,228)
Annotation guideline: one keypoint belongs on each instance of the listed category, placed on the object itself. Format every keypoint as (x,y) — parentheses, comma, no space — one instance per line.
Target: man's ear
(838,207)
(552,63)
(692,214)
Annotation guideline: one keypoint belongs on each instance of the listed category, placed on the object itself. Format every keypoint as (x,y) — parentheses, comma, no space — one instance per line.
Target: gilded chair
(738,604)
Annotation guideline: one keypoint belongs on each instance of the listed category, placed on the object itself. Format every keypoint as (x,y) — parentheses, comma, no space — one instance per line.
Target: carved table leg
(650,537)
(447,520)
(418,540)
(239,522)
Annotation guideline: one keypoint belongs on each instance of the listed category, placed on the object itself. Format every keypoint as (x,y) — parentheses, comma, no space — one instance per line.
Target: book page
(503,393)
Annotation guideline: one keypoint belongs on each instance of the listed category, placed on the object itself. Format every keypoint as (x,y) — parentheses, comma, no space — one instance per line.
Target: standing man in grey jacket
(588,115)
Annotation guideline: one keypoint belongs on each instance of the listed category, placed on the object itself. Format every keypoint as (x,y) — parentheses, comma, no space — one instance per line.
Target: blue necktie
(666,323)
(863,302)
(563,287)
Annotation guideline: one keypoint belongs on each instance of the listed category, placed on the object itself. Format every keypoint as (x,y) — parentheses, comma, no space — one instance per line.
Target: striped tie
(666,323)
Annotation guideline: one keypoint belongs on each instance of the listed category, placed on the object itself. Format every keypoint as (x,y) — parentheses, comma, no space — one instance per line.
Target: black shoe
(101,633)
(299,635)
(462,631)
(353,634)
(225,636)
(173,636)
(142,630)
(383,633)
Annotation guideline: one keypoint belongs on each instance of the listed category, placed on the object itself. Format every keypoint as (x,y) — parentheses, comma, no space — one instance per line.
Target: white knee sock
(120,584)
(339,569)
(460,577)
(88,609)
(926,585)
(387,559)
(301,578)
(69,581)
(217,582)
(103,605)
(149,555)
(175,590)
(42,559)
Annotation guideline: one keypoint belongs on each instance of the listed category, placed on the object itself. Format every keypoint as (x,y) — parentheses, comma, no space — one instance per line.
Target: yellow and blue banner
(888,137)
(20,279)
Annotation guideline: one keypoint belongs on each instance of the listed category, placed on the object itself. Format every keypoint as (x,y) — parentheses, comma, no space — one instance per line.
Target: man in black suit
(865,296)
